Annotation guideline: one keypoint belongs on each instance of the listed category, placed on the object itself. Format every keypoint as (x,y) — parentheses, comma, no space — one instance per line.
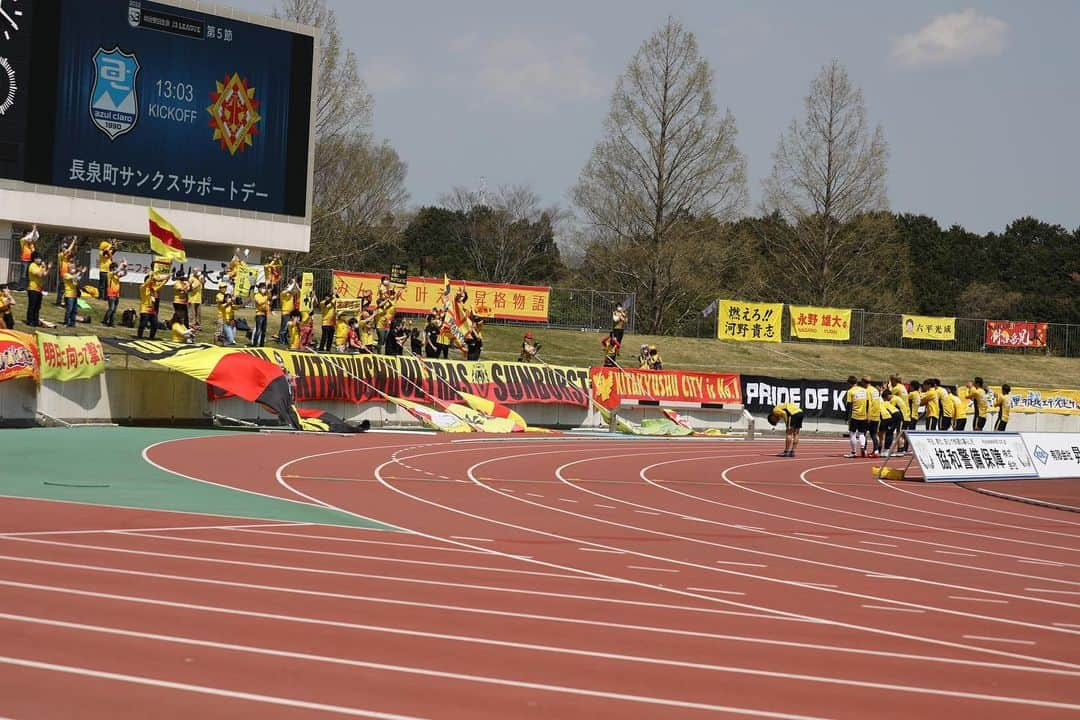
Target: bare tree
(506,232)
(358,182)
(667,156)
(829,171)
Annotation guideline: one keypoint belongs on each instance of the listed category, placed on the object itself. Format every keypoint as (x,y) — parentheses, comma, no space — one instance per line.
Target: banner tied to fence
(1006,333)
(921,327)
(1040,400)
(749,321)
(820,323)
(70,357)
(361,378)
(504,302)
(614,385)
(18,355)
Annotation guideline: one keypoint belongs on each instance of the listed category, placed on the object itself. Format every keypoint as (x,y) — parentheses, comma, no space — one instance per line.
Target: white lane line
(482,679)
(975,599)
(606,507)
(601,550)
(201,689)
(806,534)
(654,569)
(879,544)
(741,564)
(953,552)
(816,584)
(1048,563)
(567,500)
(321,538)
(534,494)
(152,529)
(880,576)
(1067,625)
(715,590)
(647,512)
(471,539)
(997,639)
(895,609)
(1056,592)
(507,490)
(748,527)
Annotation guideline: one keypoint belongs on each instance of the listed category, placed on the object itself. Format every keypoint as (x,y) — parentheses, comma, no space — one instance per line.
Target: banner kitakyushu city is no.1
(614,385)
(820,323)
(1006,333)
(18,355)
(752,321)
(505,302)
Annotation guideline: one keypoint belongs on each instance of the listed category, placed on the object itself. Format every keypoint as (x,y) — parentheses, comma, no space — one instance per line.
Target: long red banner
(613,385)
(1006,333)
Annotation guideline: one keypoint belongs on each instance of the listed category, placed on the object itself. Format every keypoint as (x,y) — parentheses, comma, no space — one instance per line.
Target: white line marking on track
(958,554)
(716,590)
(1067,625)
(880,544)
(606,507)
(975,599)
(154,529)
(880,576)
(647,512)
(896,609)
(806,534)
(998,639)
(1056,592)
(471,539)
(567,500)
(654,569)
(534,494)
(741,564)
(816,584)
(201,689)
(1048,563)
(601,550)
(330,538)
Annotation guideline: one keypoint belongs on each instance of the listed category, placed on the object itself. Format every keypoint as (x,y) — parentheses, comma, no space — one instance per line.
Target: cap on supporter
(652,347)
(528,335)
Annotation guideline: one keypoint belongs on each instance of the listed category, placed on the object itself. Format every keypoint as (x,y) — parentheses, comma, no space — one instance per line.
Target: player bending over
(792,415)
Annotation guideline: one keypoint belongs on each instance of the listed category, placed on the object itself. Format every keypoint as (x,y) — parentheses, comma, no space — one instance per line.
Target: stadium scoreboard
(155,100)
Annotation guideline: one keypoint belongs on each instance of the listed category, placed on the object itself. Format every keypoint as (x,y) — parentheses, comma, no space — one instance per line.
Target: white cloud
(525,71)
(955,37)
(384,74)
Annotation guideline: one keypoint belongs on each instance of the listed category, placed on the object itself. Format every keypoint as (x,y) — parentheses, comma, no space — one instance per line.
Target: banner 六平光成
(820,323)
(921,327)
(751,321)
(360,378)
(505,302)
(18,355)
(70,357)
(612,385)
(1006,333)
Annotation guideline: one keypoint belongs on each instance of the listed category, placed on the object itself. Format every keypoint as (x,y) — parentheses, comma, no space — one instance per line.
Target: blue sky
(979,101)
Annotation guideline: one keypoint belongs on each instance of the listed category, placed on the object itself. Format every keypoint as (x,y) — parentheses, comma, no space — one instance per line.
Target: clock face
(10,18)
(8,85)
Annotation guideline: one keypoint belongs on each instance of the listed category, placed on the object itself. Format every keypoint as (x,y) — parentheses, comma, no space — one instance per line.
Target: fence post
(592,309)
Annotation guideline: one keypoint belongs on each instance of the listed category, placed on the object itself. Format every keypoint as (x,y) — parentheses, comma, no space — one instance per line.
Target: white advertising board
(1055,455)
(959,456)
(138,264)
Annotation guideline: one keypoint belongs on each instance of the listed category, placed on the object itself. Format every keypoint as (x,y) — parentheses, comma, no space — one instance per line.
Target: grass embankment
(790,360)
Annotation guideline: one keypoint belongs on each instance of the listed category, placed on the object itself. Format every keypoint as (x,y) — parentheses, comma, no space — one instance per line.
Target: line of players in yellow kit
(882,412)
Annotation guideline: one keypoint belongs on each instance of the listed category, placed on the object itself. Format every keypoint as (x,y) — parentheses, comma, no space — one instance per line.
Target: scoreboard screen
(147,99)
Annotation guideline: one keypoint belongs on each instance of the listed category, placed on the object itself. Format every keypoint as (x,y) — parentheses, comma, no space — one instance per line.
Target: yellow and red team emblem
(234,114)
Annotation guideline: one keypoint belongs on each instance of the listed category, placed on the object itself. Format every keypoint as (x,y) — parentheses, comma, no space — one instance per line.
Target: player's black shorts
(945,423)
(980,422)
(911,424)
(1000,425)
(960,423)
(795,421)
(931,423)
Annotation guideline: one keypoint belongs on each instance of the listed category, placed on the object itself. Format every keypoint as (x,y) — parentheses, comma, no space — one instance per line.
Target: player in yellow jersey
(902,422)
(792,416)
(978,397)
(945,401)
(1003,404)
(885,429)
(960,402)
(933,405)
(858,399)
(914,403)
(873,416)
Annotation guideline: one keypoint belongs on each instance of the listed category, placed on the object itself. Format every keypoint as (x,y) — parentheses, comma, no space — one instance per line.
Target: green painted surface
(48,464)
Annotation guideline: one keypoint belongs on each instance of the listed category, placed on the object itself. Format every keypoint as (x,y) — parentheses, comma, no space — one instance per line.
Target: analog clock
(10,18)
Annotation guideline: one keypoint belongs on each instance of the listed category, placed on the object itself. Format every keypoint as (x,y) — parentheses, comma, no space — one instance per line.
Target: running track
(542,578)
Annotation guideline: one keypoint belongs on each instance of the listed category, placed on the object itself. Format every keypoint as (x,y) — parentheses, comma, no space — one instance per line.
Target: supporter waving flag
(165,239)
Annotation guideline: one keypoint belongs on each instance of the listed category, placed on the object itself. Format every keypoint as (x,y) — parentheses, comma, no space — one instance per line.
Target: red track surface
(543,578)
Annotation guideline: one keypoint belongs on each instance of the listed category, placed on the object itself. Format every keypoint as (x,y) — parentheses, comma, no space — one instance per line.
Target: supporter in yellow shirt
(106,250)
(290,300)
(148,297)
(195,291)
(262,310)
(328,313)
(1003,404)
(71,276)
(227,311)
(341,333)
(978,396)
(293,328)
(792,416)
(112,292)
(35,286)
(181,333)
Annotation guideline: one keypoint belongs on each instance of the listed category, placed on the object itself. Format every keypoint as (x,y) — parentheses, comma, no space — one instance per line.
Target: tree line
(660,208)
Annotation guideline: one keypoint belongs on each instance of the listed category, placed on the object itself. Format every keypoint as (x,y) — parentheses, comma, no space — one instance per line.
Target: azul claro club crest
(114,98)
